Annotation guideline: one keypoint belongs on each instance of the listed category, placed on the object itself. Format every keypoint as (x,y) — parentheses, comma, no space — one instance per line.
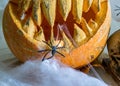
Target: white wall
(115,19)
(115,24)
(2,41)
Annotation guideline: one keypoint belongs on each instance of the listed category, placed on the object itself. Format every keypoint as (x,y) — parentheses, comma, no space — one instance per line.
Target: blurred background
(115,24)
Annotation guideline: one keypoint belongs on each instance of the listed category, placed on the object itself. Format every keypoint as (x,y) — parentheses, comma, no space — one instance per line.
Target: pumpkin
(83,27)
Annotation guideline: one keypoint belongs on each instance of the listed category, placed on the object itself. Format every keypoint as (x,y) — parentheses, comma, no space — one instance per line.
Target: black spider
(53,50)
(118,9)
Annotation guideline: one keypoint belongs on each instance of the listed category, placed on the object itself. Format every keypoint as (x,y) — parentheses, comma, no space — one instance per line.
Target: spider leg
(116,9)
(44,56)
(51,43)
(47,44)
(50,57)
(117,6)
(53,53)
(60,47)
(118,14)
(60,53)
(43,50)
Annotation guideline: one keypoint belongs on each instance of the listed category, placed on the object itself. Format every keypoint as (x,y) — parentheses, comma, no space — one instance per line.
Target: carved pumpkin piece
(27,23)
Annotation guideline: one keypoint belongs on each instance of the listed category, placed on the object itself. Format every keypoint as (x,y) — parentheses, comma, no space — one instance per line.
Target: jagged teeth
(49,10)
(77,10)
(99,17)
(86,27)
(95,6)
(67,43)
(36,12)
(24,5)
(29,27)
(79,34)
(65,8)
(86,5)
(92,24)
(52,35)
(40,35)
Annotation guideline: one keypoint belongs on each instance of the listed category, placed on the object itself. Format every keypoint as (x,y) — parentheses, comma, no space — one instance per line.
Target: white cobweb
(46,73)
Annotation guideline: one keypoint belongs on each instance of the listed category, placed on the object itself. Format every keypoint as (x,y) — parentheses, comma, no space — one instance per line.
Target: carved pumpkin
(27,23)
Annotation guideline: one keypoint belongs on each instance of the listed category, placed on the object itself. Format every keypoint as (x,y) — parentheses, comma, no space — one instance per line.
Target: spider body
(53,49)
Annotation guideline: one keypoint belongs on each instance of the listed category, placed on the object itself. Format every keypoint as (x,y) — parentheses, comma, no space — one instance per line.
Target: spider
(118,9)
(53,50)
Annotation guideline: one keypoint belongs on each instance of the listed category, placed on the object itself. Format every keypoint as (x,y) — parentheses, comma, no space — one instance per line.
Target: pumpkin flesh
(25,40)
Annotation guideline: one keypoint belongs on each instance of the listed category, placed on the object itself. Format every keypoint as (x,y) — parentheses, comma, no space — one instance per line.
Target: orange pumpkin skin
(24,47)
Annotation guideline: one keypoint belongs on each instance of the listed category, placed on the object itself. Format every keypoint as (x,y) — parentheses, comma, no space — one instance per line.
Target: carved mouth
(81,18)
(27,24)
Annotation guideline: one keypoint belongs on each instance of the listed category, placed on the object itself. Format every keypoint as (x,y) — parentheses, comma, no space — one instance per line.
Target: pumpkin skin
(25,45)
